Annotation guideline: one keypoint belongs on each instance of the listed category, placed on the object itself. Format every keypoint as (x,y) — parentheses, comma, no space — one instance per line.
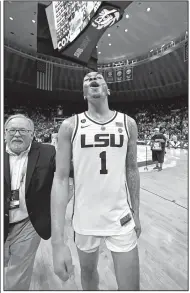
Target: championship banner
(108,14)
(119,75)
(186,51)
(128,73)
(109,75)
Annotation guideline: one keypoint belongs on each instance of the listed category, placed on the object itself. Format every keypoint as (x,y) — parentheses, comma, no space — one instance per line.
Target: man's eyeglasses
(20,131)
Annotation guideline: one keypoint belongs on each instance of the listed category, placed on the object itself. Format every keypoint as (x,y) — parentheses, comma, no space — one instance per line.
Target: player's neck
(99,110)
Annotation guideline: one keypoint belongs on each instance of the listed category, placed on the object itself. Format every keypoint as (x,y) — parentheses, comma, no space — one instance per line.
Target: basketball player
(103,145)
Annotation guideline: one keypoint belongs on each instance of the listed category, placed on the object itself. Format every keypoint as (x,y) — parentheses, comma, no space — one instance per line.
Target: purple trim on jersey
(125,123)
(76,128)
(126,187)
(99,123)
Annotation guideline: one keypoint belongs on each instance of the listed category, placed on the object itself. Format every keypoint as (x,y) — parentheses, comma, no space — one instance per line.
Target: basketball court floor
(163,244)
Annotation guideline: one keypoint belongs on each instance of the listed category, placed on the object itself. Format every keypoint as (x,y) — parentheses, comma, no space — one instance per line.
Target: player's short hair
(20,116)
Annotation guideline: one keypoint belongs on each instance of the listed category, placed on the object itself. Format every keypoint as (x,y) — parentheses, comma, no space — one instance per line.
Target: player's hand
(62,262)
(137,224)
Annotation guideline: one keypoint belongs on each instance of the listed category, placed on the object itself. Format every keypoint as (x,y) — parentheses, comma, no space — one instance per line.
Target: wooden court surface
(163,244)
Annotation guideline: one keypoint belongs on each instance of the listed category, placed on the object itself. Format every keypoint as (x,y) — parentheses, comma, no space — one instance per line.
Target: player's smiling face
(94,86)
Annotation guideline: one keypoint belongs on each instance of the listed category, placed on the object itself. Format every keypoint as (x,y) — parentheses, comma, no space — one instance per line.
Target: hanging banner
(119,75)
(128,73)
(108,14)
(70,30)
(109,75)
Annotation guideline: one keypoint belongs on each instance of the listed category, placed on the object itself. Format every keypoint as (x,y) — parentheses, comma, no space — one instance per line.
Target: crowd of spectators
(172,119)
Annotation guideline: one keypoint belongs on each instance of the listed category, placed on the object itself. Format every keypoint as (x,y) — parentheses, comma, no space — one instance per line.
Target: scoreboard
(67,19)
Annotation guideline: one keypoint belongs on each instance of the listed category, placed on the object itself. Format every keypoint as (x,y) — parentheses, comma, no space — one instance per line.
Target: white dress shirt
(18,167)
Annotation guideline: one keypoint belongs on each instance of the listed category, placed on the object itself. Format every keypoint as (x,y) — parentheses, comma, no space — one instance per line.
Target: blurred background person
(158,143)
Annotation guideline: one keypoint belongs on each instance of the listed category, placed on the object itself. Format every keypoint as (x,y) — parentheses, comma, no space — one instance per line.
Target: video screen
(67,19)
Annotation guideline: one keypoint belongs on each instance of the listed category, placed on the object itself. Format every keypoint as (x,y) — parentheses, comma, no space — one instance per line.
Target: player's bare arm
(132,172)
(60,188)
(59,200)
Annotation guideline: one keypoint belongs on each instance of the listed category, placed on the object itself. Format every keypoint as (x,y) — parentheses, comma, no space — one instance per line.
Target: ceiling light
(148,9)
(109,35)
(151,50)
(163,45)
(10,18)
(127,15)
(109,44)
(33,21)
(99,52)
(126,30)
(96,47)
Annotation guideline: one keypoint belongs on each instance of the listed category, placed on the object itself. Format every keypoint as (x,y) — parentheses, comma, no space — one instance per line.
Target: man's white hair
(20,116)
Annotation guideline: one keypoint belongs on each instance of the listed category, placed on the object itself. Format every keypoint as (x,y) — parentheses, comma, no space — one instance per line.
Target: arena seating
(173,120)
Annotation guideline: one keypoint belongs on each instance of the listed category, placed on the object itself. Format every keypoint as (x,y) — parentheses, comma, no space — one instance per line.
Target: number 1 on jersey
(103,169)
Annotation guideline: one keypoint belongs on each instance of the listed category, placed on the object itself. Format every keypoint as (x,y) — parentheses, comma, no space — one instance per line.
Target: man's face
(18,141)
(94,86)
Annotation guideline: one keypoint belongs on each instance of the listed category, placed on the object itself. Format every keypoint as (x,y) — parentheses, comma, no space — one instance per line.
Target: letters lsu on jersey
(101,193)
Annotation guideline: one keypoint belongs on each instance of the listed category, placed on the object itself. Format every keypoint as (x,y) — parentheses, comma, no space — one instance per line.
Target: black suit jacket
(39,177)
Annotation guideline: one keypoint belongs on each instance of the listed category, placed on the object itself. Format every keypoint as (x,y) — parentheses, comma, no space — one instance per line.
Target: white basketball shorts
(117,243)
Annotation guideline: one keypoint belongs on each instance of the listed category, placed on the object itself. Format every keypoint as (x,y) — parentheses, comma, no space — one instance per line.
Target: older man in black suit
(28,170)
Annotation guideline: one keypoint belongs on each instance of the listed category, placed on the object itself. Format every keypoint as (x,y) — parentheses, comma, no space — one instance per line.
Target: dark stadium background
(155,46)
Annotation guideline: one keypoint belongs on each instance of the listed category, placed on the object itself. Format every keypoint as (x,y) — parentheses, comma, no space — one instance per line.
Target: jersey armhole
(75,128)
(126,125)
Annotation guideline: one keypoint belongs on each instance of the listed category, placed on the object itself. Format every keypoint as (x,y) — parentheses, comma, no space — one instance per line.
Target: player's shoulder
(129,118)
(69,120)
(68,124)
(132,125)
(67,127)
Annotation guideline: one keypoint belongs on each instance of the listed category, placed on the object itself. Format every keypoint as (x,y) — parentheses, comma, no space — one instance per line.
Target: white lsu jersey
(101,196)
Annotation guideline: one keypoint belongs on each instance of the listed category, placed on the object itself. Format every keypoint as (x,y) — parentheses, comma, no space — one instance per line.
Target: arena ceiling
(145,26)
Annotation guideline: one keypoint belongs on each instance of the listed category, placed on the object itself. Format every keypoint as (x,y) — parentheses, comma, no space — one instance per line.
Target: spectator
(158,148)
